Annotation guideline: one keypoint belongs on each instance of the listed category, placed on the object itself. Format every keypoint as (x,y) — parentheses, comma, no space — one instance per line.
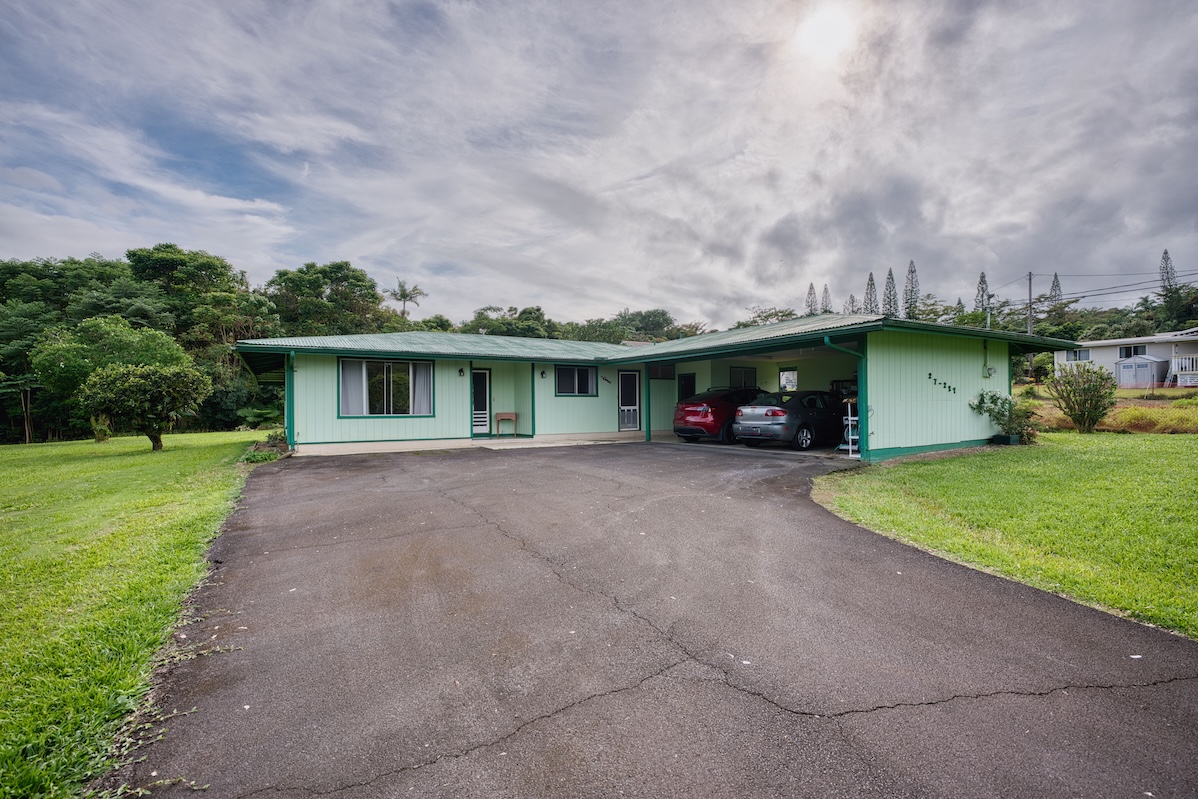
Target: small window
(577,381)
(742,376)
(1135,349)
(661,371)
(1077,355)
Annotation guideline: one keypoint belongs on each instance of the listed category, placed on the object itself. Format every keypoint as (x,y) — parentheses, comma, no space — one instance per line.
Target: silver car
(798,418)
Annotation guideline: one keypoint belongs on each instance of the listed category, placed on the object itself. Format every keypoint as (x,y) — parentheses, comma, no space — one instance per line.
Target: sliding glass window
(386,388)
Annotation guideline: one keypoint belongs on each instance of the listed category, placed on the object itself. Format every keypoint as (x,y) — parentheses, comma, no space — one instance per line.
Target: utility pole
(1031,372)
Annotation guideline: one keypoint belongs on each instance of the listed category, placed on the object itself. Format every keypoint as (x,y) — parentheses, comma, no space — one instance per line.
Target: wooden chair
(506,417)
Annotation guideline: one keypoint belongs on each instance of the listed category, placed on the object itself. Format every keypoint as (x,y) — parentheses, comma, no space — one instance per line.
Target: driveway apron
(637,620)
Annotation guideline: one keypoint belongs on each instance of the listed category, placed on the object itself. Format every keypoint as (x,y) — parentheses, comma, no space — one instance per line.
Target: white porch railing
(1184,363)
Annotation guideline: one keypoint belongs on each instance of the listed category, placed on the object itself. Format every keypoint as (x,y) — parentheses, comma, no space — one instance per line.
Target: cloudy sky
(591,156)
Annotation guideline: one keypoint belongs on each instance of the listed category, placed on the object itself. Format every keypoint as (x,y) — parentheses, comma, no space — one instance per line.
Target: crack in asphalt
(477,747)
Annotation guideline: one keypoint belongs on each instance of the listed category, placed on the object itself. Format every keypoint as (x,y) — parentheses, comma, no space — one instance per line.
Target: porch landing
(504,442)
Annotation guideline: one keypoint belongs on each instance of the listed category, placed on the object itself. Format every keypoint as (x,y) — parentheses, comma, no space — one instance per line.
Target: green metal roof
(445,345)
(264,356)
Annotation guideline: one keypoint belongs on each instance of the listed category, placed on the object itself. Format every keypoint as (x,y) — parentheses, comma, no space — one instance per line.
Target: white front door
(481,405)
(630,400)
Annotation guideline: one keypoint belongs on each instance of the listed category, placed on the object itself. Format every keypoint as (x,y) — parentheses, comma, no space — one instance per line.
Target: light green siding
(920,386)
(662,399)
(816,369)
(316,407)
(510,392)
(598,414)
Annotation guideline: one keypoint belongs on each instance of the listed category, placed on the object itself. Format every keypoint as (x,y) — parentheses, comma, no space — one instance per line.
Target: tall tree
(1168,273)
(853,306)
(185,276)
(911,296)
(825,301)
(812,306)
(327,300)
(870,304)
(1055,294)
(981,299)
(890,300)
(404,295)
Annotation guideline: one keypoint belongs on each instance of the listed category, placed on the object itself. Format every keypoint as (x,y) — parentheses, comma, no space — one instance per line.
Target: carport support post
(862,397)
(648,415)
(289,400)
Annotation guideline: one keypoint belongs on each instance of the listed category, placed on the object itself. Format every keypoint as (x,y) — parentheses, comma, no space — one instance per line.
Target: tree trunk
(155,441)
(26,401)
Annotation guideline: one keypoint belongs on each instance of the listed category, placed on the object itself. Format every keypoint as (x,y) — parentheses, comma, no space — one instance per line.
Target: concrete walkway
(640,620)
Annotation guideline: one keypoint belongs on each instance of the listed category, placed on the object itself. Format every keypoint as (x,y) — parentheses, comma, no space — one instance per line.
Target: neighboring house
(914,381)
(1166,359)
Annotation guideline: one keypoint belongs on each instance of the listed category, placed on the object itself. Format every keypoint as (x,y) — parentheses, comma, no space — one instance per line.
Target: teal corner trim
(289,400)
(862,393)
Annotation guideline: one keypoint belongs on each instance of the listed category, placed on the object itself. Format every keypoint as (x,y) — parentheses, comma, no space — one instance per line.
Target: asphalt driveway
(639,620)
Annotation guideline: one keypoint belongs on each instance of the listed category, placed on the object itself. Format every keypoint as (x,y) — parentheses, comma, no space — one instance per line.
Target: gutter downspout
(862,397)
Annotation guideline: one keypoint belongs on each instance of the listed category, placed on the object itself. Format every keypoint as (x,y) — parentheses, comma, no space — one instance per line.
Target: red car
(710,414)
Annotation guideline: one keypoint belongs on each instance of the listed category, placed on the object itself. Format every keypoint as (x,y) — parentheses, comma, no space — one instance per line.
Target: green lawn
(99,543)
(1107,519)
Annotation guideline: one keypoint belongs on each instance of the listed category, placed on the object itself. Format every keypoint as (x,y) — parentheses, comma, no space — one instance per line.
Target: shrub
(1083,392)
(1030,393)
(1013,418)
(1186,402)
(253,456)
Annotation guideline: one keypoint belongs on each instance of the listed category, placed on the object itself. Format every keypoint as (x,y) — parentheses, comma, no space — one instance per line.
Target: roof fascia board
(427,356)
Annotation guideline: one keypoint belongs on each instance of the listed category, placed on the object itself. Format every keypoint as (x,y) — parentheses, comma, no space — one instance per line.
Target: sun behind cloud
(826,33)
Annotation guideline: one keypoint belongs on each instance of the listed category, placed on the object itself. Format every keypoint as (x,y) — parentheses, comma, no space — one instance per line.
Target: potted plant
(1015,420)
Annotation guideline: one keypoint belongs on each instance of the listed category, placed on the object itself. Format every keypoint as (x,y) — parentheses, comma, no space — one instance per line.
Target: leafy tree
(185,276)
(21,323)
(825,301)
(606,330)
(812,306)
(437,322)
(404,295)
(64,357)
(766,316)
(890,301)
(143,304)
(1054,292)
(326,300)
(1083,392)
(981,299)
(654,324)
(853,306)
(148,399)
(524,323)
(1168,273)
(870,304)
(911,298)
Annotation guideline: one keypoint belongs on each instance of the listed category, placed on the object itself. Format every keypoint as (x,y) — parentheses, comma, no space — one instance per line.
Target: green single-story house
(913,381)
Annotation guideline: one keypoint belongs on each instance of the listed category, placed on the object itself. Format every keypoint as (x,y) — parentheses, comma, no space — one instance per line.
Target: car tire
(804,438)
(726,436)
(689,439)
(751,443)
